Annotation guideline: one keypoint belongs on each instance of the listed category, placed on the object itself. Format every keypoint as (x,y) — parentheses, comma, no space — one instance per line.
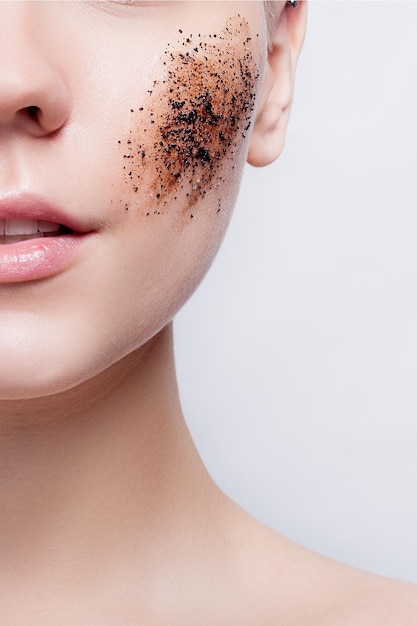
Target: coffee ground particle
(198,115)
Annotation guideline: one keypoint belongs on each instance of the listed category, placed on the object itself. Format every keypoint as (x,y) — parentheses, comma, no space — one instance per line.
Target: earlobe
(268,135)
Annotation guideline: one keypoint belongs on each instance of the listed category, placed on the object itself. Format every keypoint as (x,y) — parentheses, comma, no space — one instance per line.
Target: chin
(36,360)
(40,360)
(23,379)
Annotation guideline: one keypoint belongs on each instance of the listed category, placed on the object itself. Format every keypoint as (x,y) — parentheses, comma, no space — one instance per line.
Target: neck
(100,472)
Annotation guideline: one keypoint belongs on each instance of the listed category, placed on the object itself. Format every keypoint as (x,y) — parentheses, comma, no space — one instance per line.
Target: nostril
(33,111)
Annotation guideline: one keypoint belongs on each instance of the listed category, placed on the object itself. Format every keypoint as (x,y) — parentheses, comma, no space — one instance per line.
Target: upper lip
(34,207)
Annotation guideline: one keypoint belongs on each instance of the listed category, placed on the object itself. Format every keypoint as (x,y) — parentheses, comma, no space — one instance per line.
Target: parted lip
(34,207)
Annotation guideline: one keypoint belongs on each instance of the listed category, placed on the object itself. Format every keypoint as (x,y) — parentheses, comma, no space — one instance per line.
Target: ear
(268,134)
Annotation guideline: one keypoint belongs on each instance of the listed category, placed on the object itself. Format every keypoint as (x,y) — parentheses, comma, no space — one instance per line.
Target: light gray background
(298,355)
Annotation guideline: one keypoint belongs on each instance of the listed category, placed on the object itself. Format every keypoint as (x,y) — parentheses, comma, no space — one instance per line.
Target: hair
(272,8)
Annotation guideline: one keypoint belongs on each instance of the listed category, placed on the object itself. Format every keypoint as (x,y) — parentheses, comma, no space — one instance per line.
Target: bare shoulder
(380,601)
(297,587)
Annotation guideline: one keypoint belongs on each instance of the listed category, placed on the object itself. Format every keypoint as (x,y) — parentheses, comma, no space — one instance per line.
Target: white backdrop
(298,355)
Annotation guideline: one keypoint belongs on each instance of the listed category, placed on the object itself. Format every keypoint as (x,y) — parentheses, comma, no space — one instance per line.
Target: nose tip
(39,105)
(34,97)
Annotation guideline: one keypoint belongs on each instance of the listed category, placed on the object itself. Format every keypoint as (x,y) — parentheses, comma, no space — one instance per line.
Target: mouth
(38,240)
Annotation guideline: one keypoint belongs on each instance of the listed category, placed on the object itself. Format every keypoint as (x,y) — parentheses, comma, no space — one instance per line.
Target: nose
(34,97)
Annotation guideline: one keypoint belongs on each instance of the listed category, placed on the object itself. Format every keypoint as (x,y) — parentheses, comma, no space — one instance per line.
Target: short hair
(272,8)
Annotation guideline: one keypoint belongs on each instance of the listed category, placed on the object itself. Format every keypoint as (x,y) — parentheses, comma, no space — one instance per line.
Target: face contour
(129,124)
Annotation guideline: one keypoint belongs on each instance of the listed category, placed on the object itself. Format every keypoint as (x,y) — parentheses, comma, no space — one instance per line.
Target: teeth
(26,227)
(16,238)
(20,227)
(47,227)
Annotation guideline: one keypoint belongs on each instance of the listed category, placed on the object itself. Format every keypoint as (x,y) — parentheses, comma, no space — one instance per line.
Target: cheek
(191,133)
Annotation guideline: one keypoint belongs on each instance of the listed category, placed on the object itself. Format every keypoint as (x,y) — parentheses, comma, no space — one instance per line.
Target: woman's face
(127,122)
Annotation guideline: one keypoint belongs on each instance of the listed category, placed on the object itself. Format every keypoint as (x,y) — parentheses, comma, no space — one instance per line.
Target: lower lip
(35,259)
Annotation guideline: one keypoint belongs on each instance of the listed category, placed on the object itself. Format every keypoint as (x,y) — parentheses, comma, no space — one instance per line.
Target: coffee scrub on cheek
(188,138)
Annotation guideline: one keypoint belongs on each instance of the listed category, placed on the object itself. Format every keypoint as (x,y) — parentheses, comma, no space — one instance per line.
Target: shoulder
(368,600)
(296,587)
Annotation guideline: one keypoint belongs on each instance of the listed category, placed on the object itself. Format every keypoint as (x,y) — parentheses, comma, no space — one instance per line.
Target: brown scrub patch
(188,134)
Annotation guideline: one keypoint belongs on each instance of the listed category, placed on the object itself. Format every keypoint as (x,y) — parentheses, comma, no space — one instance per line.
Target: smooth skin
(107,514)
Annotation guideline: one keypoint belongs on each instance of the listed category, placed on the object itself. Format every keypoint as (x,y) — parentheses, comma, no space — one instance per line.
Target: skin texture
(107,515)
(136,268)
